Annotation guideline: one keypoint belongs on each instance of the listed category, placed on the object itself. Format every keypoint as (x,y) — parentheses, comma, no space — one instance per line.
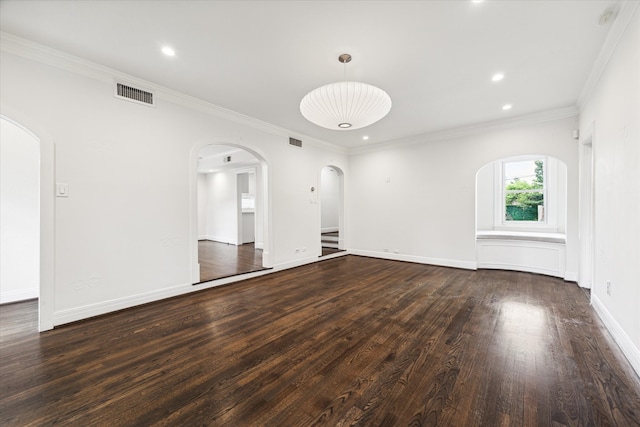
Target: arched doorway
(19,213)
(331,200)
(45,223)
(231,212)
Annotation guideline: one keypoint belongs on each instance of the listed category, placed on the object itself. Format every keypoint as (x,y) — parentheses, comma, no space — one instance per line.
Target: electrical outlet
(396,251)
(609,287)
(297,250)
(386,250)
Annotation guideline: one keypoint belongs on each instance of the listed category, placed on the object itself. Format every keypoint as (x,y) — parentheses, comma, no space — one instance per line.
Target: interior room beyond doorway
(230,229)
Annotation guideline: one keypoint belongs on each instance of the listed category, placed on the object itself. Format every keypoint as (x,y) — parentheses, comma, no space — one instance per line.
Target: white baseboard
(571,276)
(258,245)
(219,239)
(296,263)
(92,310)
(467,265)
(79,313)
(630,351)
(7,297)
(329,230)
(525,268)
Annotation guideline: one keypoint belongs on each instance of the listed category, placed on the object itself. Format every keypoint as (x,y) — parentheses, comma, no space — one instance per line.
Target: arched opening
(19,213)
(331,200)
(45,225)
(521,214)
(231,200)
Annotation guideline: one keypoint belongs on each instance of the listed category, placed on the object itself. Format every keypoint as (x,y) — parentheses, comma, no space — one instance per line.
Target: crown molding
(24,48)
(618,27)
(475,129)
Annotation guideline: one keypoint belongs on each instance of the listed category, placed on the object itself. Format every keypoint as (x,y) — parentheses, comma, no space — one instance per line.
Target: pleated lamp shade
(345,105)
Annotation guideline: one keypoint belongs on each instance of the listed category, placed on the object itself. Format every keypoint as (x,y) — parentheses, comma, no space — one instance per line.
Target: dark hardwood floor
(346,341)
(329,251)
(218,260)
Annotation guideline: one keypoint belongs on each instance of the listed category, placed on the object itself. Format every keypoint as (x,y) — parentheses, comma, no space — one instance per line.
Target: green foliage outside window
(522,201)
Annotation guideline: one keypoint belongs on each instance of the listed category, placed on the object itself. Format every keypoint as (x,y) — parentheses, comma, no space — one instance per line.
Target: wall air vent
(131,93)
(295,142)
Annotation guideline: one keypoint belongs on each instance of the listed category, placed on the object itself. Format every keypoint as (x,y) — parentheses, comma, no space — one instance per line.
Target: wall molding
(467,265)
(46,55)
(631,352)
(618,27)
(571,276)
(475,129)
(219,239)
(91,310)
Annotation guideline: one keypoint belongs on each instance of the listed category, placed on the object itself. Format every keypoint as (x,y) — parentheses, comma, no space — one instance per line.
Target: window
(524,190)
(499,201)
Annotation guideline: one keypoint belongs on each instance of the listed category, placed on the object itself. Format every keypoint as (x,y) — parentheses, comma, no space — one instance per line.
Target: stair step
(329,245)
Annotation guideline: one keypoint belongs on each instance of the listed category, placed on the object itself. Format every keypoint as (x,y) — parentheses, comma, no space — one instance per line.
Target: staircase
(330,240)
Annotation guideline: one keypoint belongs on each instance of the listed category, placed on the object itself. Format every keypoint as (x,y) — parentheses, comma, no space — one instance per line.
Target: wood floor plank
(346,341)
(218,260)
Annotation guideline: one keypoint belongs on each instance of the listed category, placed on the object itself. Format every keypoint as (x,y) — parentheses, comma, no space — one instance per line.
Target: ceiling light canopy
(345,105)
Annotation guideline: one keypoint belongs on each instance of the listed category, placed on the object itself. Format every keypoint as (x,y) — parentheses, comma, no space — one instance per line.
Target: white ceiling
(259,58)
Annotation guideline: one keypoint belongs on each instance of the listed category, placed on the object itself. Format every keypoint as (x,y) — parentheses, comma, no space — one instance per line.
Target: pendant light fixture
(345,105)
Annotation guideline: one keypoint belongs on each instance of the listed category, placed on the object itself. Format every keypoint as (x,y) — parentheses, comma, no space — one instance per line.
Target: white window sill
(531,236)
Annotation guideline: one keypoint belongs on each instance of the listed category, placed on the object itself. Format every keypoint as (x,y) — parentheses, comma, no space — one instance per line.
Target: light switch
(62,190)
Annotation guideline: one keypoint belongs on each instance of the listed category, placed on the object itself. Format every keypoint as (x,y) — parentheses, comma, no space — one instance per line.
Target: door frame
(46,298)
(262,181)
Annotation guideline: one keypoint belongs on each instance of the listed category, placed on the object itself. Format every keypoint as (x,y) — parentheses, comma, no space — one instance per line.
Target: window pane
(524,206)
(524,175)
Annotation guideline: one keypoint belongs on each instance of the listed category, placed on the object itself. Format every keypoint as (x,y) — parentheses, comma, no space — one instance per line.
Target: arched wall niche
(521,214)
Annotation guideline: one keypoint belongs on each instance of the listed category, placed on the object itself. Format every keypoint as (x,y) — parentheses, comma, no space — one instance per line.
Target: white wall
(418,199)
(19,213)
(202,206)
(222,207)
(485,196)
(219,209)
(124,235)
(330,199)
(613,112)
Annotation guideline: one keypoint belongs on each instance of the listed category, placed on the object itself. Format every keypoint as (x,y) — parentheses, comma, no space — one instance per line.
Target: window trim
(504,191)
(551,200)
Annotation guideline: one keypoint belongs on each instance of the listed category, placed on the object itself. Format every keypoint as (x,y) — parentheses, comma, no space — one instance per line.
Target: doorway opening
(19,213)
(230,210)
(331,210)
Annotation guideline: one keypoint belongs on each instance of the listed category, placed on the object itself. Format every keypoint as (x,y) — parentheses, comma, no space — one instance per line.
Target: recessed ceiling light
(477,1)
(168,51)
(365,137)
(507,107)
(497,77)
